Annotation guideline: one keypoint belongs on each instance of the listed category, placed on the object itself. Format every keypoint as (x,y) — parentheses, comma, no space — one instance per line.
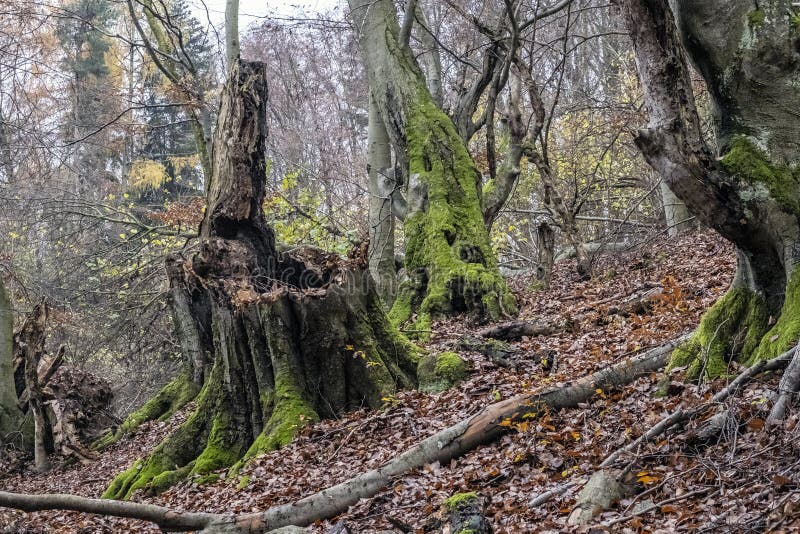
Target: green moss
(161,407)
(451,366)
(174,457)
(448,241)
(459,500)
(756,17)
(786,330)
(243,482)
(751,164)
(438,372)
(167,479)
(210,478)
(223,447)
(730,328)
(794,20)
(290,413)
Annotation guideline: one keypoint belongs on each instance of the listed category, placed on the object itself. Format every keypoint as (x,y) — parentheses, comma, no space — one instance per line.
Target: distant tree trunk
(231,31)
(292,339)
(10,414)
(381,216)
(449,260)
(676,214)
(749,55)
(547,247)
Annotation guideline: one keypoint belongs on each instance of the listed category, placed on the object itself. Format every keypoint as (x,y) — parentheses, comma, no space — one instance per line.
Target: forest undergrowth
(747,479)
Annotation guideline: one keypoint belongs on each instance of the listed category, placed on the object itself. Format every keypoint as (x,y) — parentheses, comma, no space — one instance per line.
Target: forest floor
(747,481)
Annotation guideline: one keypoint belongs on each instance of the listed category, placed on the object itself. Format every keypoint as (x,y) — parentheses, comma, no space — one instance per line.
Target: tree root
(787,389)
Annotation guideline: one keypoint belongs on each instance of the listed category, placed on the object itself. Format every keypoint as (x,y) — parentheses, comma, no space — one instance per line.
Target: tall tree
(449,261)
(749,56)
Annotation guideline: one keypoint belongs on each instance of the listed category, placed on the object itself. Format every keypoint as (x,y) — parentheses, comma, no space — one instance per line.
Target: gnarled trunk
(449,260)
(750,57)
(288,339)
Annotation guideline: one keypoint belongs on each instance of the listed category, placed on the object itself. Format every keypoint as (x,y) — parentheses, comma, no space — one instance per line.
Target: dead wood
(163,517)
(680,415)
(499,352)
(46,369)
(512,330)
(484,427)
(465,513)
(29,345)
(637,304)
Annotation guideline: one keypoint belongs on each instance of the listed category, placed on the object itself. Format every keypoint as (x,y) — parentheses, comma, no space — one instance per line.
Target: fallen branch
(484,427)
(680,415)
(658,506)
(163,517)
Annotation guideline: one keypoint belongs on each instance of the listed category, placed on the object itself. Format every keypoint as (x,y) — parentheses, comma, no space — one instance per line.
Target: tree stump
(276,340)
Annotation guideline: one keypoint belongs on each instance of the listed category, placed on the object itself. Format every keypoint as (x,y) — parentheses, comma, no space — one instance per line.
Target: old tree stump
(273,341)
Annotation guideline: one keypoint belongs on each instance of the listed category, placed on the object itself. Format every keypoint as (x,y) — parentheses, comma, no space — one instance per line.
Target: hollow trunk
(10,414)
(449,261)
(289,339)
(749,57)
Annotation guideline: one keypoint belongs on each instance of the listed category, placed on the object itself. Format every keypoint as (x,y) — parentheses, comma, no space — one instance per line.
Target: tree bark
(676,214)
(449,260)
(382,190)
(10,414)
(289,338)
(749,56)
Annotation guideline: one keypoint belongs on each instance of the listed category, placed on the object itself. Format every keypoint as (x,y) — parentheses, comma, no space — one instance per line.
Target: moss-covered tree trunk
(278,341)
(449,261)
(749,55)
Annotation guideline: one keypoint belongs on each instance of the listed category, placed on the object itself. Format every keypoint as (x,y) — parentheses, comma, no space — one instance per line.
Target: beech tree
(272,341)
(749,56)
(449,261)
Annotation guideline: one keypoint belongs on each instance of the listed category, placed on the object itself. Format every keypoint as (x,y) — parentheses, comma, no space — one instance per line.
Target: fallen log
(484,427)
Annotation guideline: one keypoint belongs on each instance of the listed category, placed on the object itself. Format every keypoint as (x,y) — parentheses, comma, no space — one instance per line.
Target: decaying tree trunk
(749,55)
(29,341)
(279,340)
(449,261)
(10,414)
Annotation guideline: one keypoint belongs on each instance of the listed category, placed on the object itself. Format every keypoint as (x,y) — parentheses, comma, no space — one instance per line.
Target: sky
(251,10)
